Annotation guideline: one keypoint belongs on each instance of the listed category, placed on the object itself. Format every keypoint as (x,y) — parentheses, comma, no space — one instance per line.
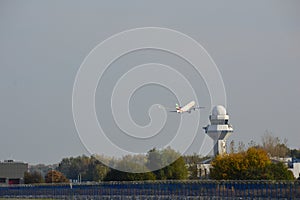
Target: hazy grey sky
(255,44)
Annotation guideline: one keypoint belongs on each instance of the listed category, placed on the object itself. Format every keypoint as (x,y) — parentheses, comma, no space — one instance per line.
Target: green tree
(96,171)
(54,176)
(295,153)
(89,168)
(116,175)
(279,171)
(154,159)
(33,177)
(130,164)
(174,163)
(176,171)
(127,164)
(72,167)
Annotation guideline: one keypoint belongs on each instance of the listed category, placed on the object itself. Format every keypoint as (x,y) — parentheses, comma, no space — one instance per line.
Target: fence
(159,190)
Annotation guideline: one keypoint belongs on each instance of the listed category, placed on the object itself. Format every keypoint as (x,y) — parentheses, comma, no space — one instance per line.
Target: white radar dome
(219,110)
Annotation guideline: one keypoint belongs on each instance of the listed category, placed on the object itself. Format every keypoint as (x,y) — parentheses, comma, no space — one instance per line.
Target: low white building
(295,168)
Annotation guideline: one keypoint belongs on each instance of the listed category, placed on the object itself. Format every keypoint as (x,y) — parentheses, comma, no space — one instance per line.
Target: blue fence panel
(157,189)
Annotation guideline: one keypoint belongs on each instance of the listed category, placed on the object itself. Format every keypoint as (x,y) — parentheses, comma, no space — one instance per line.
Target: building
(12,172)
(295,168)
(219,129)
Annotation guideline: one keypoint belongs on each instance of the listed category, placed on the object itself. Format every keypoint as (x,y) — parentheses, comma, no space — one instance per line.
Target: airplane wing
(198,107)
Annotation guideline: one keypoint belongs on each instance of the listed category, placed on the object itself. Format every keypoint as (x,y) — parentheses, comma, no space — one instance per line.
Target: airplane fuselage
(187,107)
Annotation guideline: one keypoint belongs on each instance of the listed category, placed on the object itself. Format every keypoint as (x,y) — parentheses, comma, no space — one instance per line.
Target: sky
(255,45)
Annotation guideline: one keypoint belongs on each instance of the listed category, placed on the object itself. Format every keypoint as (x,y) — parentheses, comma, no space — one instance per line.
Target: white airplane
(187,108)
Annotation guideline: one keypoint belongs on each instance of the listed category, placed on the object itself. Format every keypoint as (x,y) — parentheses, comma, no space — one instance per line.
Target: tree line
(240,163)
(84,168)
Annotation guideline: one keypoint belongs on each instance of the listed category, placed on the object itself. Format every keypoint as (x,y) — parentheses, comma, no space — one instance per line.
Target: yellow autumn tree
(249,165)
(54,176)
(257,162)
(229,166)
